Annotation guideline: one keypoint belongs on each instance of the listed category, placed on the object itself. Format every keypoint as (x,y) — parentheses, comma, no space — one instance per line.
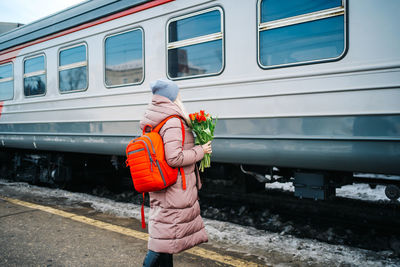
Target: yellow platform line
(197,251)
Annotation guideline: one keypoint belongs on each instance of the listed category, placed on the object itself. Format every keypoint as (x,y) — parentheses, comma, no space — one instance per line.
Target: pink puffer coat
(175,223)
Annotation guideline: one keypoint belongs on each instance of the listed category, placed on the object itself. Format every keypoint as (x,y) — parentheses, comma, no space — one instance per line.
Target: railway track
(363,224)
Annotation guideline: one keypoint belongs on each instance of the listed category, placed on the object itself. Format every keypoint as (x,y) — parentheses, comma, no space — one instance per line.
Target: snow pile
(275,247)
(282,186)
(363,192)
(100,204)
(250,240)
(355,191)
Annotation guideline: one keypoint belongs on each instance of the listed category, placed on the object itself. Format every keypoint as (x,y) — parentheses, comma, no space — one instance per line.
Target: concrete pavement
(39,235)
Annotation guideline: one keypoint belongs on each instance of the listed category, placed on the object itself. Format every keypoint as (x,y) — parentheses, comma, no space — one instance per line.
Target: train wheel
(392,192)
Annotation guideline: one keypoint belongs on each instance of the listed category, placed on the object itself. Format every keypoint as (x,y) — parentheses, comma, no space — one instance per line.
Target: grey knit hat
(165,88)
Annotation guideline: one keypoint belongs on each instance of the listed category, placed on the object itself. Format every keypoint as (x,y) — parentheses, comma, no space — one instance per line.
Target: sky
(27,11)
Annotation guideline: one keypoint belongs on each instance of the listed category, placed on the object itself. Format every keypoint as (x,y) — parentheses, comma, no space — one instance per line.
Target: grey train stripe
(336,155)
(382,127)
(340,143)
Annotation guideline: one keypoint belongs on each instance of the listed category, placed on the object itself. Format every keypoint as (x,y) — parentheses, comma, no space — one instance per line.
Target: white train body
(341,114)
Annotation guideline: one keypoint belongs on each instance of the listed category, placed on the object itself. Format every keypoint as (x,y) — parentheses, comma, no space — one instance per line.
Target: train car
(307,87)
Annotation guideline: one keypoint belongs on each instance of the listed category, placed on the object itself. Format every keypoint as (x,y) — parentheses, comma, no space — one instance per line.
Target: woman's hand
(207,148)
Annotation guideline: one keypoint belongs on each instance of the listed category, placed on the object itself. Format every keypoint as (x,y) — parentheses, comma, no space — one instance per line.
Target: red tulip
(203,125)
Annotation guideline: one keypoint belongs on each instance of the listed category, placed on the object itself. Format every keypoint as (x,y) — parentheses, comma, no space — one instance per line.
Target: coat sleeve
(172,137)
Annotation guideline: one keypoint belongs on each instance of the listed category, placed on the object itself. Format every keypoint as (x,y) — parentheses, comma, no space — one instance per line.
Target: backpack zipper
(148,138)
(148,152)
(135,151)
(158,164)
(162,174)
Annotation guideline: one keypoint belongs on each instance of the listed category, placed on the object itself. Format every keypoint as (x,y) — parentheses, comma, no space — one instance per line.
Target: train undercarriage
(69,170)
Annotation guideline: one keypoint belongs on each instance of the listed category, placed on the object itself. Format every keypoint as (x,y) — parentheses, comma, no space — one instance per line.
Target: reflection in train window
(124,58)
(6,82)
(300,31)
(34,76)
(72,69)
(195,44)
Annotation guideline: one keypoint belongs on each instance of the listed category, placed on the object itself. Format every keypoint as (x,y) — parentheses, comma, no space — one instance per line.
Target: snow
(266,245)
(363,192)
(355,191)
(282,186)
(305,250)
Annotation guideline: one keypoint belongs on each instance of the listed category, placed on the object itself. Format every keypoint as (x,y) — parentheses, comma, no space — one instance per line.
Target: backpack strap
(145,127)
(161,124)
(142,212)
(157,129)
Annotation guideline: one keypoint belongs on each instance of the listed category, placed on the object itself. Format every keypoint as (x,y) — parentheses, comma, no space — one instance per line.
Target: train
(307,89)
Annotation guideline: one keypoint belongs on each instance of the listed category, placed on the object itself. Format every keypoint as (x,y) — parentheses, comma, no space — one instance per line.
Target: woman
(175,223)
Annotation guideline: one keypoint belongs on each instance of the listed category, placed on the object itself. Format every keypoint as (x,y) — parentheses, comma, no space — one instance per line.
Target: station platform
(33,234)
(42,226)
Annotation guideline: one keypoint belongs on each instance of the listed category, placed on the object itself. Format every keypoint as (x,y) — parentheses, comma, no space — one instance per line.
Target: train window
(6,82)
(195,44)
(300,31)
(72,69)
(34,76)
(124,58)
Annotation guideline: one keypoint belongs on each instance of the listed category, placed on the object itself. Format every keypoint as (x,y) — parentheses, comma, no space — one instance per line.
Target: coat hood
(159,109)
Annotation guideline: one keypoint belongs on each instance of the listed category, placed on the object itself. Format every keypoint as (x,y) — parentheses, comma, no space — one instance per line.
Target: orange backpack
(146,159)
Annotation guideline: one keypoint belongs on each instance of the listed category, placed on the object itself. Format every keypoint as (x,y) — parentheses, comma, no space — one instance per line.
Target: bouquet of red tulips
(203,126)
